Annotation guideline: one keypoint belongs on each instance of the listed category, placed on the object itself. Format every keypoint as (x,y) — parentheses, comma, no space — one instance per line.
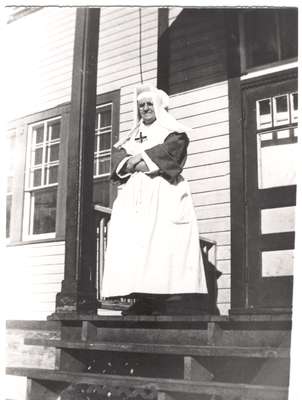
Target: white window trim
(28,189)
(270,70)
(107,152)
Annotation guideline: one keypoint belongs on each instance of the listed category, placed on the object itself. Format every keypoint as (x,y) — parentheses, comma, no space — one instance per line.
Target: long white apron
(153,243)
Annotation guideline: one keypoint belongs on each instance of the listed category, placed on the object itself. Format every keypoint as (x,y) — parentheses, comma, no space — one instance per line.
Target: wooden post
(78,293)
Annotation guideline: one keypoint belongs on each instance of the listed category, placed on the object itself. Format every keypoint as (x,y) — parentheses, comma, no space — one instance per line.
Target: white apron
(153,239)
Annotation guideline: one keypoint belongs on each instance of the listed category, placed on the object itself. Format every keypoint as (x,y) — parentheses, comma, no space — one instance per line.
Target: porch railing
(208,249)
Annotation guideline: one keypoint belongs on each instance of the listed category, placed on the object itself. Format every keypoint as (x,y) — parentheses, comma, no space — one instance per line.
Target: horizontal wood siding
(40,60)
(207,169)
(119,49)
(36,277)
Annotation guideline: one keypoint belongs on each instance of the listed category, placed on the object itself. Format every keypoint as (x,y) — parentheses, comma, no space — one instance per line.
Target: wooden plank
(223,253)
(200,108)
(208,144)
(224,266)
(206,171)
(224,296)
(203,120)
(167,385)
(221,224)
(212,197)
(128,80)
(199,95)
(206,158)
(222,238)
(212,211)
(187,350)
(210,184)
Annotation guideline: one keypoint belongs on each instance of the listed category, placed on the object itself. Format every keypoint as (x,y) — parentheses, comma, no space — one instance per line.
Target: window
(11,141)
(270,36)
(277,140)
(42,179)
(106,134)
(103,141)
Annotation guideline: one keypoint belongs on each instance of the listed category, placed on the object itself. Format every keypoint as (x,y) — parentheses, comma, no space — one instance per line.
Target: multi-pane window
(277,119)
(9,184)
(42,178)
(103,141)
(270,35)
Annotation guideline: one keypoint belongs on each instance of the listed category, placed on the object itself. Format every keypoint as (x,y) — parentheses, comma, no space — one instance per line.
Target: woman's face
(146,110)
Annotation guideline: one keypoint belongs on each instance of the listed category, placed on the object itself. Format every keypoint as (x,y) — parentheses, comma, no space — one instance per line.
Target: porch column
(78,292)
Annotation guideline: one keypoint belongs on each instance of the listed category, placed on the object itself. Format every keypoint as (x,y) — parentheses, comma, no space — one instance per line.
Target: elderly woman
(153,245)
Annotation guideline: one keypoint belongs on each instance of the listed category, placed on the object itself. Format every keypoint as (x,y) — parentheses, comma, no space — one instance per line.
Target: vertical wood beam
(237,169)
(163,49)
(78,292)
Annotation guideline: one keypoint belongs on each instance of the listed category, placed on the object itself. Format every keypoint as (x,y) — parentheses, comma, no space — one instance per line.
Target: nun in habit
(153,247)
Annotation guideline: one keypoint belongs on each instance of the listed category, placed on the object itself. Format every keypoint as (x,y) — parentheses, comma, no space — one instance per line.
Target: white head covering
(160,104)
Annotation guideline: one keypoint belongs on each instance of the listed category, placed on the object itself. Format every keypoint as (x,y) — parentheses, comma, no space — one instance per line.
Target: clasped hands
(136,164)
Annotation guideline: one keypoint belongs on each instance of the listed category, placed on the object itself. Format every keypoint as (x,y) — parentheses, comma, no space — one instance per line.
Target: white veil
(161,104)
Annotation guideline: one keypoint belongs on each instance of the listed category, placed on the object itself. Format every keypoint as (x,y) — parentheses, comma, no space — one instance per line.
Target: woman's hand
(141,167)
(132,162)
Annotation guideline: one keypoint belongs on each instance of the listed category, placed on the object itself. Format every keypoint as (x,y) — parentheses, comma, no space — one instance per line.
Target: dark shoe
(140,307)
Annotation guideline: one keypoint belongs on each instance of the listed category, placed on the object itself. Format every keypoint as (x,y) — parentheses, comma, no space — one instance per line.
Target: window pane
(294,107)
(37,177)
(261,37)
(38,156)
(39,130)
(105,141)
(277,263)
(44,212)
(281,110)
(276,163)
(264,114)
(289,33)
(104,165)
(281,219)
(53,175)
(8,214)
(106,117)
(54,152)
(54,130)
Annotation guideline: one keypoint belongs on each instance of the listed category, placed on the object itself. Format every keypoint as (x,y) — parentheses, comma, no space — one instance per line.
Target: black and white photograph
(150,169)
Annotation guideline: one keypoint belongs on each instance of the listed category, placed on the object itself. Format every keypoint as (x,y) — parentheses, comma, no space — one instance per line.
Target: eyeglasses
(147,103)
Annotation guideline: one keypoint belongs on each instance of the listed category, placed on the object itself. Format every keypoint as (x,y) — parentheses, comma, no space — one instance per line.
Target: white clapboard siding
(224,266)
(214,225)
(36,278)
(223,253)
(117,44)
(214,197)
(42,43)
(205,171)
(208,144)
(210,184)
(212,211)
(208,157)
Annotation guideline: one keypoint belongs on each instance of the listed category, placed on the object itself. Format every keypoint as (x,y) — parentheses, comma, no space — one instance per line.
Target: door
(270,134)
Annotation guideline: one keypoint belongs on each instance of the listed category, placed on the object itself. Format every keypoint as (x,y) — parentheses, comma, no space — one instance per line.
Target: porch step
(186,350)
(145,388)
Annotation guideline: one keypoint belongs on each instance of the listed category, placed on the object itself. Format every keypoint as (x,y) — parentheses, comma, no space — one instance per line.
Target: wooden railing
(208,250)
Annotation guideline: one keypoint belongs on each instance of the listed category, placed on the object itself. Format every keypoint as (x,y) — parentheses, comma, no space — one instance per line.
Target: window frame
(21,127)
(29,188)
(243,47)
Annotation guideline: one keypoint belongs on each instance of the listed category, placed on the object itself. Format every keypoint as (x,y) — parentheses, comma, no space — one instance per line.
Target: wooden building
(231,75)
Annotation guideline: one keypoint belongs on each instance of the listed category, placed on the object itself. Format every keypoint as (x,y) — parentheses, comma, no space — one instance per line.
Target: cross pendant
(141,138)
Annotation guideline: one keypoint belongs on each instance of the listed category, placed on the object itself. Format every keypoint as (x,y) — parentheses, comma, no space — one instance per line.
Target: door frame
(240,301)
